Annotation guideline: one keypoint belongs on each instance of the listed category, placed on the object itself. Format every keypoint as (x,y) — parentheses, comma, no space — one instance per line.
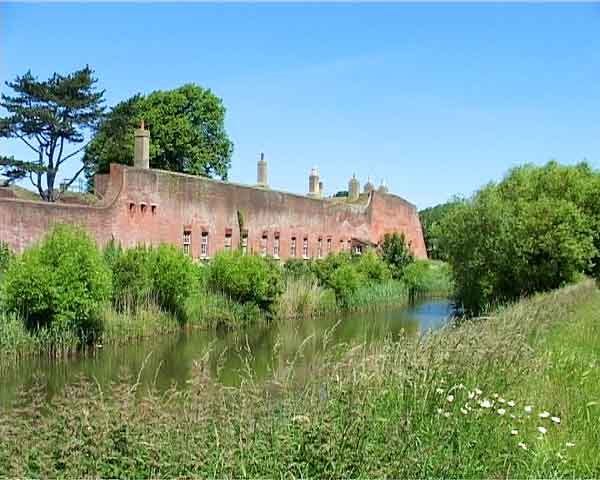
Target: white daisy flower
(542,430)
(570,444)
(485,403)
(522,445)
(514,432)
(478,392)
(528,409)
(510,403)
(544,414)
(555,419)
(450,398)
(501,411)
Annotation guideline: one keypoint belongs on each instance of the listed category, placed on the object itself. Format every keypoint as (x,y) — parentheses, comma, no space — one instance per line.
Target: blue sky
(438,99)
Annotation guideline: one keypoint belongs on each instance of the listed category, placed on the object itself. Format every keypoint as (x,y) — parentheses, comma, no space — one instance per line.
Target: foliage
(430,278)
(372,268)
(344,281)
(161,275)
(298,267)
(430,217)
(394,409)
(534,231)
(174,277)
(186,127)
(6,257)
(48,116)
(60,284)
(396,252)
(132,276)
(246,279)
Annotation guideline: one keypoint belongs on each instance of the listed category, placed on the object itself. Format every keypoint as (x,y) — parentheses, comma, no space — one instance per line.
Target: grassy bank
(465,402)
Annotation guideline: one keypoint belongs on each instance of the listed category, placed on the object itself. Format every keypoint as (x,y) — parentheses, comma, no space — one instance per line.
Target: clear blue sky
(436,98)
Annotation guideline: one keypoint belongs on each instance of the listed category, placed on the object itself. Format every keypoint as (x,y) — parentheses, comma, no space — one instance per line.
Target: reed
(512,395)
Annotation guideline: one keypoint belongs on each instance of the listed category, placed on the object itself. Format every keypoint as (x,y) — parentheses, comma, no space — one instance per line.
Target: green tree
(49,116)
(396,253)
(430,217)
(186,127)
(530,233)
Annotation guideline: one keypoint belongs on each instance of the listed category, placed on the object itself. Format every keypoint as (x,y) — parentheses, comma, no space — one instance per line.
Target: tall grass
(452,404)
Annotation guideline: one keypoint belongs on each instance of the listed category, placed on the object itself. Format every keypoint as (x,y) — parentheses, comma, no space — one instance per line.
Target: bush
(174,276)
(372,267)
(6,256)
(298,267)
(163,275)
(324,269)
(344,281)
(132,278)
(60,284)
(396,253)
(246,279)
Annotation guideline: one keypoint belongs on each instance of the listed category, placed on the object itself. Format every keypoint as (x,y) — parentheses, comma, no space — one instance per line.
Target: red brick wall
(150,206)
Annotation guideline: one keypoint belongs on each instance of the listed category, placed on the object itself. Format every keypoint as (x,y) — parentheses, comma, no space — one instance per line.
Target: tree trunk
(50,177)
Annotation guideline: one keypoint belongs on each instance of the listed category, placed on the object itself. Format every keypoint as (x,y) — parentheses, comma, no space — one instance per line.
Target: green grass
(382,410)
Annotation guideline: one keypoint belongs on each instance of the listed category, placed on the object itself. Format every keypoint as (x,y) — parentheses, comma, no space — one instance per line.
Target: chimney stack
(141,148)
(313,182)
(261,176)
(353,189)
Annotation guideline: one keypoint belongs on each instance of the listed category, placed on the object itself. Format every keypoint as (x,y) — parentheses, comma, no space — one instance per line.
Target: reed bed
(512,395)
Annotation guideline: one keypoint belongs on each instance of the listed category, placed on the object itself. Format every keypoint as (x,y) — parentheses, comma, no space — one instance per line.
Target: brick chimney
(261,179)
(141,148)
(313,182)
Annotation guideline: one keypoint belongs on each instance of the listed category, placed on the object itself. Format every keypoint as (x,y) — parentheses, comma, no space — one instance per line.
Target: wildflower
(439,390)
(464,410)
(450,398)
(514,432)
(495,395)
(478,392)
(544,414)
(471,395)
(447,414)
(555,419)
(510,403)
(570,444)
(300,419)
(460,386)
(512,416)
(522,445)
(542,430)
(485,403)
(501,400)
(439,410)
(501,411)
(528,409)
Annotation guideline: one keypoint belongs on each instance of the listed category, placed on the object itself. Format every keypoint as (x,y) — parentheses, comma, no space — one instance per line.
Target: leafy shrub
(163,275)
(60,284)
(344,281)
(298,267)
(325,268)
(132,277)
(6,256)
(174,276)
(372,267)
(246,279)
(396,253)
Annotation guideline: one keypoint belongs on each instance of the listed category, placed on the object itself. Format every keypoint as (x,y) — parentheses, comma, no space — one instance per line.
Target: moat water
(231,356)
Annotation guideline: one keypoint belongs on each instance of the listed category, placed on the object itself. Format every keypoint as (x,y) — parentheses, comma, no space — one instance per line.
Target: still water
(169,359)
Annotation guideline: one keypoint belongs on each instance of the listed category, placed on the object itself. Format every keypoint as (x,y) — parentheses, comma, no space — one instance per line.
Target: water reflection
(169,359)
